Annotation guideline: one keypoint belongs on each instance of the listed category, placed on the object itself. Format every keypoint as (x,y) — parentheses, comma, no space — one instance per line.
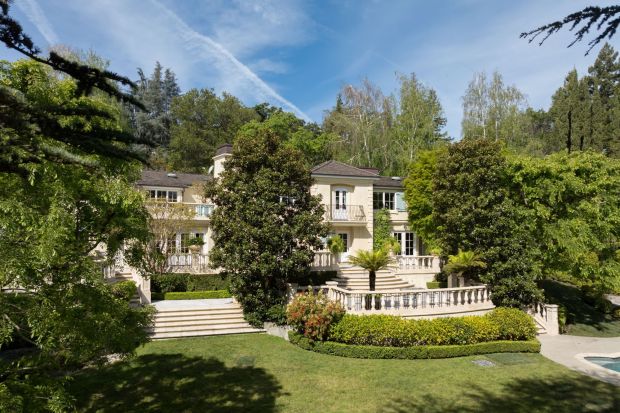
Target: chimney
(221,154)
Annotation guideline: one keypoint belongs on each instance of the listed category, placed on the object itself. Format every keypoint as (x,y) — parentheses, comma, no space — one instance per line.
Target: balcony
(202,211)
(346,213)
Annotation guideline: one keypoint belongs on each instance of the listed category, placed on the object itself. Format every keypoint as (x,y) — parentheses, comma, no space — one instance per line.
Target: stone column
(553,324)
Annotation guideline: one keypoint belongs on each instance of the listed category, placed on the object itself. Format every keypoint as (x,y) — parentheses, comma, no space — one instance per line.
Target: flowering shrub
(313,315)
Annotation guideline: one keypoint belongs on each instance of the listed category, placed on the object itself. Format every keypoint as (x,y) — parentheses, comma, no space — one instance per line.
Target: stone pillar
(330,289)
(553,324)
(452,281)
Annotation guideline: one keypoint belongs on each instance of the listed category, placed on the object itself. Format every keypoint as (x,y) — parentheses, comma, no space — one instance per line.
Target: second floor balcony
(346,213)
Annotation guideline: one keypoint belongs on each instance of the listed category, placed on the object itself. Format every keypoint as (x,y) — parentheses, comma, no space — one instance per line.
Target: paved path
(570,350)
(190,304)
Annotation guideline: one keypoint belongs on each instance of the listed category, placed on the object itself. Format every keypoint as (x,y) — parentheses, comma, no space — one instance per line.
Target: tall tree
(266,223)
(494,110)
(156,92)
(203,121)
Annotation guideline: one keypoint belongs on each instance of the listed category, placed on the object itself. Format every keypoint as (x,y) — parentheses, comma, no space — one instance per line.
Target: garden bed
(413,352)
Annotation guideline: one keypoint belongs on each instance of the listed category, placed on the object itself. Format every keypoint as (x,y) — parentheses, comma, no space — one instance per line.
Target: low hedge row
(166,283)
(431,285)
(191,295)
(413,352)
(315,278)
(393,331)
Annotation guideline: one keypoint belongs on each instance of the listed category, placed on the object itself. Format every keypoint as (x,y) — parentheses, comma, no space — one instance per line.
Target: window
(185,237)
(382,200)
(168,196)
(340,199)
(407,241)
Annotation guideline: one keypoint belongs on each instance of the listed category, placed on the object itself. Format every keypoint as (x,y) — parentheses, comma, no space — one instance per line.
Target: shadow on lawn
(176,383)
(552,395)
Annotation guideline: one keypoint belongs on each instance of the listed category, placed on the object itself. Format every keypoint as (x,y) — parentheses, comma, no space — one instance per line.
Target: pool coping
(603,370)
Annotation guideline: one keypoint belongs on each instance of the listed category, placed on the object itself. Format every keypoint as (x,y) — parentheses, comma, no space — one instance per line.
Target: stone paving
(571,350)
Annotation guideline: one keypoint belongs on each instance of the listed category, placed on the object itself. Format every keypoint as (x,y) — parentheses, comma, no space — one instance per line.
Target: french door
(339,204)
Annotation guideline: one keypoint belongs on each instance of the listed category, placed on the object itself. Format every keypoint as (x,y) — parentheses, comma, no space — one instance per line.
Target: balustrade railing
(353,213)
(192,263)
(422,262)
(423,302)
(201,210)
(324,259)
(546,316)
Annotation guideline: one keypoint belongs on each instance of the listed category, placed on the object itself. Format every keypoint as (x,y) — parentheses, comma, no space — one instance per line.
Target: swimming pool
(611,363)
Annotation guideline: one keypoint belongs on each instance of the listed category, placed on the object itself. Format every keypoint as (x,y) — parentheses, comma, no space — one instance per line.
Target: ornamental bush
(124,290)
(513,324)
(165,283)
(393,331)
(313,315)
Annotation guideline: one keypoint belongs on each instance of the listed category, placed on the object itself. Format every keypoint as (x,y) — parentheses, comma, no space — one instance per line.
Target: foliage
(575,204)
(465,263)
(474,210)
(316,278)
(385,131)
(313,314)
(164,283)
(202,122)
(125,290)
(381,228)
(372,261)
(431,285)
(156,93)
(513,324)
(335,244)
(419,192)
(266,223)
(394,331)
(191,295)
(413,352)
(588,17)
(493,110)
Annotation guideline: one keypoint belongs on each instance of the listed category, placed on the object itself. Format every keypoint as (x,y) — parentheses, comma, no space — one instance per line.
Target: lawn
(582,318)
(261,373)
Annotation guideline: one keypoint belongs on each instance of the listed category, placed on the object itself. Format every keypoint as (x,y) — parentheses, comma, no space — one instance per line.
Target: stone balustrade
(437,302)
(324,260)
(546,317)
(422,262)
(189,263)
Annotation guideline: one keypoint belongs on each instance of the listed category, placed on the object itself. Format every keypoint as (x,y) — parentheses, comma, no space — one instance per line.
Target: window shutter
(400,201)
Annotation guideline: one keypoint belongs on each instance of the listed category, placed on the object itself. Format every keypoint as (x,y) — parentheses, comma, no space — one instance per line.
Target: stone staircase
(210,317)
(356,279)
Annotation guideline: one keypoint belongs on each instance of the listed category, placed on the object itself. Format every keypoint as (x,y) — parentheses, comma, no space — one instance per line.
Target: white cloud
(33,11)
(269,66)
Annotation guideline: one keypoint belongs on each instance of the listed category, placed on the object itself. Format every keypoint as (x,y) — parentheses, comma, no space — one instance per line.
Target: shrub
(616,313)
(277,314)
(191,295)
(164,283)
(431,285)
(385,330)
(312,315)
(513,324)
(316,278)
(125,290)
(414,352)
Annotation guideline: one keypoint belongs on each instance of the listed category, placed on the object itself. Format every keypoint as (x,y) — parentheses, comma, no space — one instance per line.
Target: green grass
(582,318)
(260,373)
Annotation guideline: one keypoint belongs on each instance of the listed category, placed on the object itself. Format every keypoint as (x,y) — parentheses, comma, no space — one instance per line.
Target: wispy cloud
(205,46)
(33,11)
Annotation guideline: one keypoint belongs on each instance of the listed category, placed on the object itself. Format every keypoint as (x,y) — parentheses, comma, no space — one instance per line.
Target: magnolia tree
(266,224)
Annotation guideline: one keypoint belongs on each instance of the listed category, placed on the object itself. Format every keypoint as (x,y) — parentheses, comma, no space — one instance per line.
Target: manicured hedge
(191,295)
(316,278)
(413,352)
(393,331)
(165,283)
(431,285)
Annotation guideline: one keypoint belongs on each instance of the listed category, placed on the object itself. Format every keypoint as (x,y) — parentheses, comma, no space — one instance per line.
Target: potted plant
(195,245)
(336,246)
(463,264)
(393,246)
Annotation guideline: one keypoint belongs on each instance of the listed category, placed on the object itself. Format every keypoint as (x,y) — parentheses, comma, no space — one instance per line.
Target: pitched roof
(389,182)
(170,179)
(222,149)
(341,169)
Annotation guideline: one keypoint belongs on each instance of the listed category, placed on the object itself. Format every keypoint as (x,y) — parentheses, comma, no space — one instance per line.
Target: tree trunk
(372,278)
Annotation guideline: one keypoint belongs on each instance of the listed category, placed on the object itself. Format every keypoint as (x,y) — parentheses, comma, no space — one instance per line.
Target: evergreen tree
(156,92)
(266,223)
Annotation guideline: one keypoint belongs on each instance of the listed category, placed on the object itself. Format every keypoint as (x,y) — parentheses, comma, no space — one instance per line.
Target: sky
(298,54)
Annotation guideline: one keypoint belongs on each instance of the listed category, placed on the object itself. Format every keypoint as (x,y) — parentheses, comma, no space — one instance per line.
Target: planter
(195,249)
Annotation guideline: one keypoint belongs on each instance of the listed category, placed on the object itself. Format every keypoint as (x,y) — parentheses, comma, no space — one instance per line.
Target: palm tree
(372,261)
(463,263)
